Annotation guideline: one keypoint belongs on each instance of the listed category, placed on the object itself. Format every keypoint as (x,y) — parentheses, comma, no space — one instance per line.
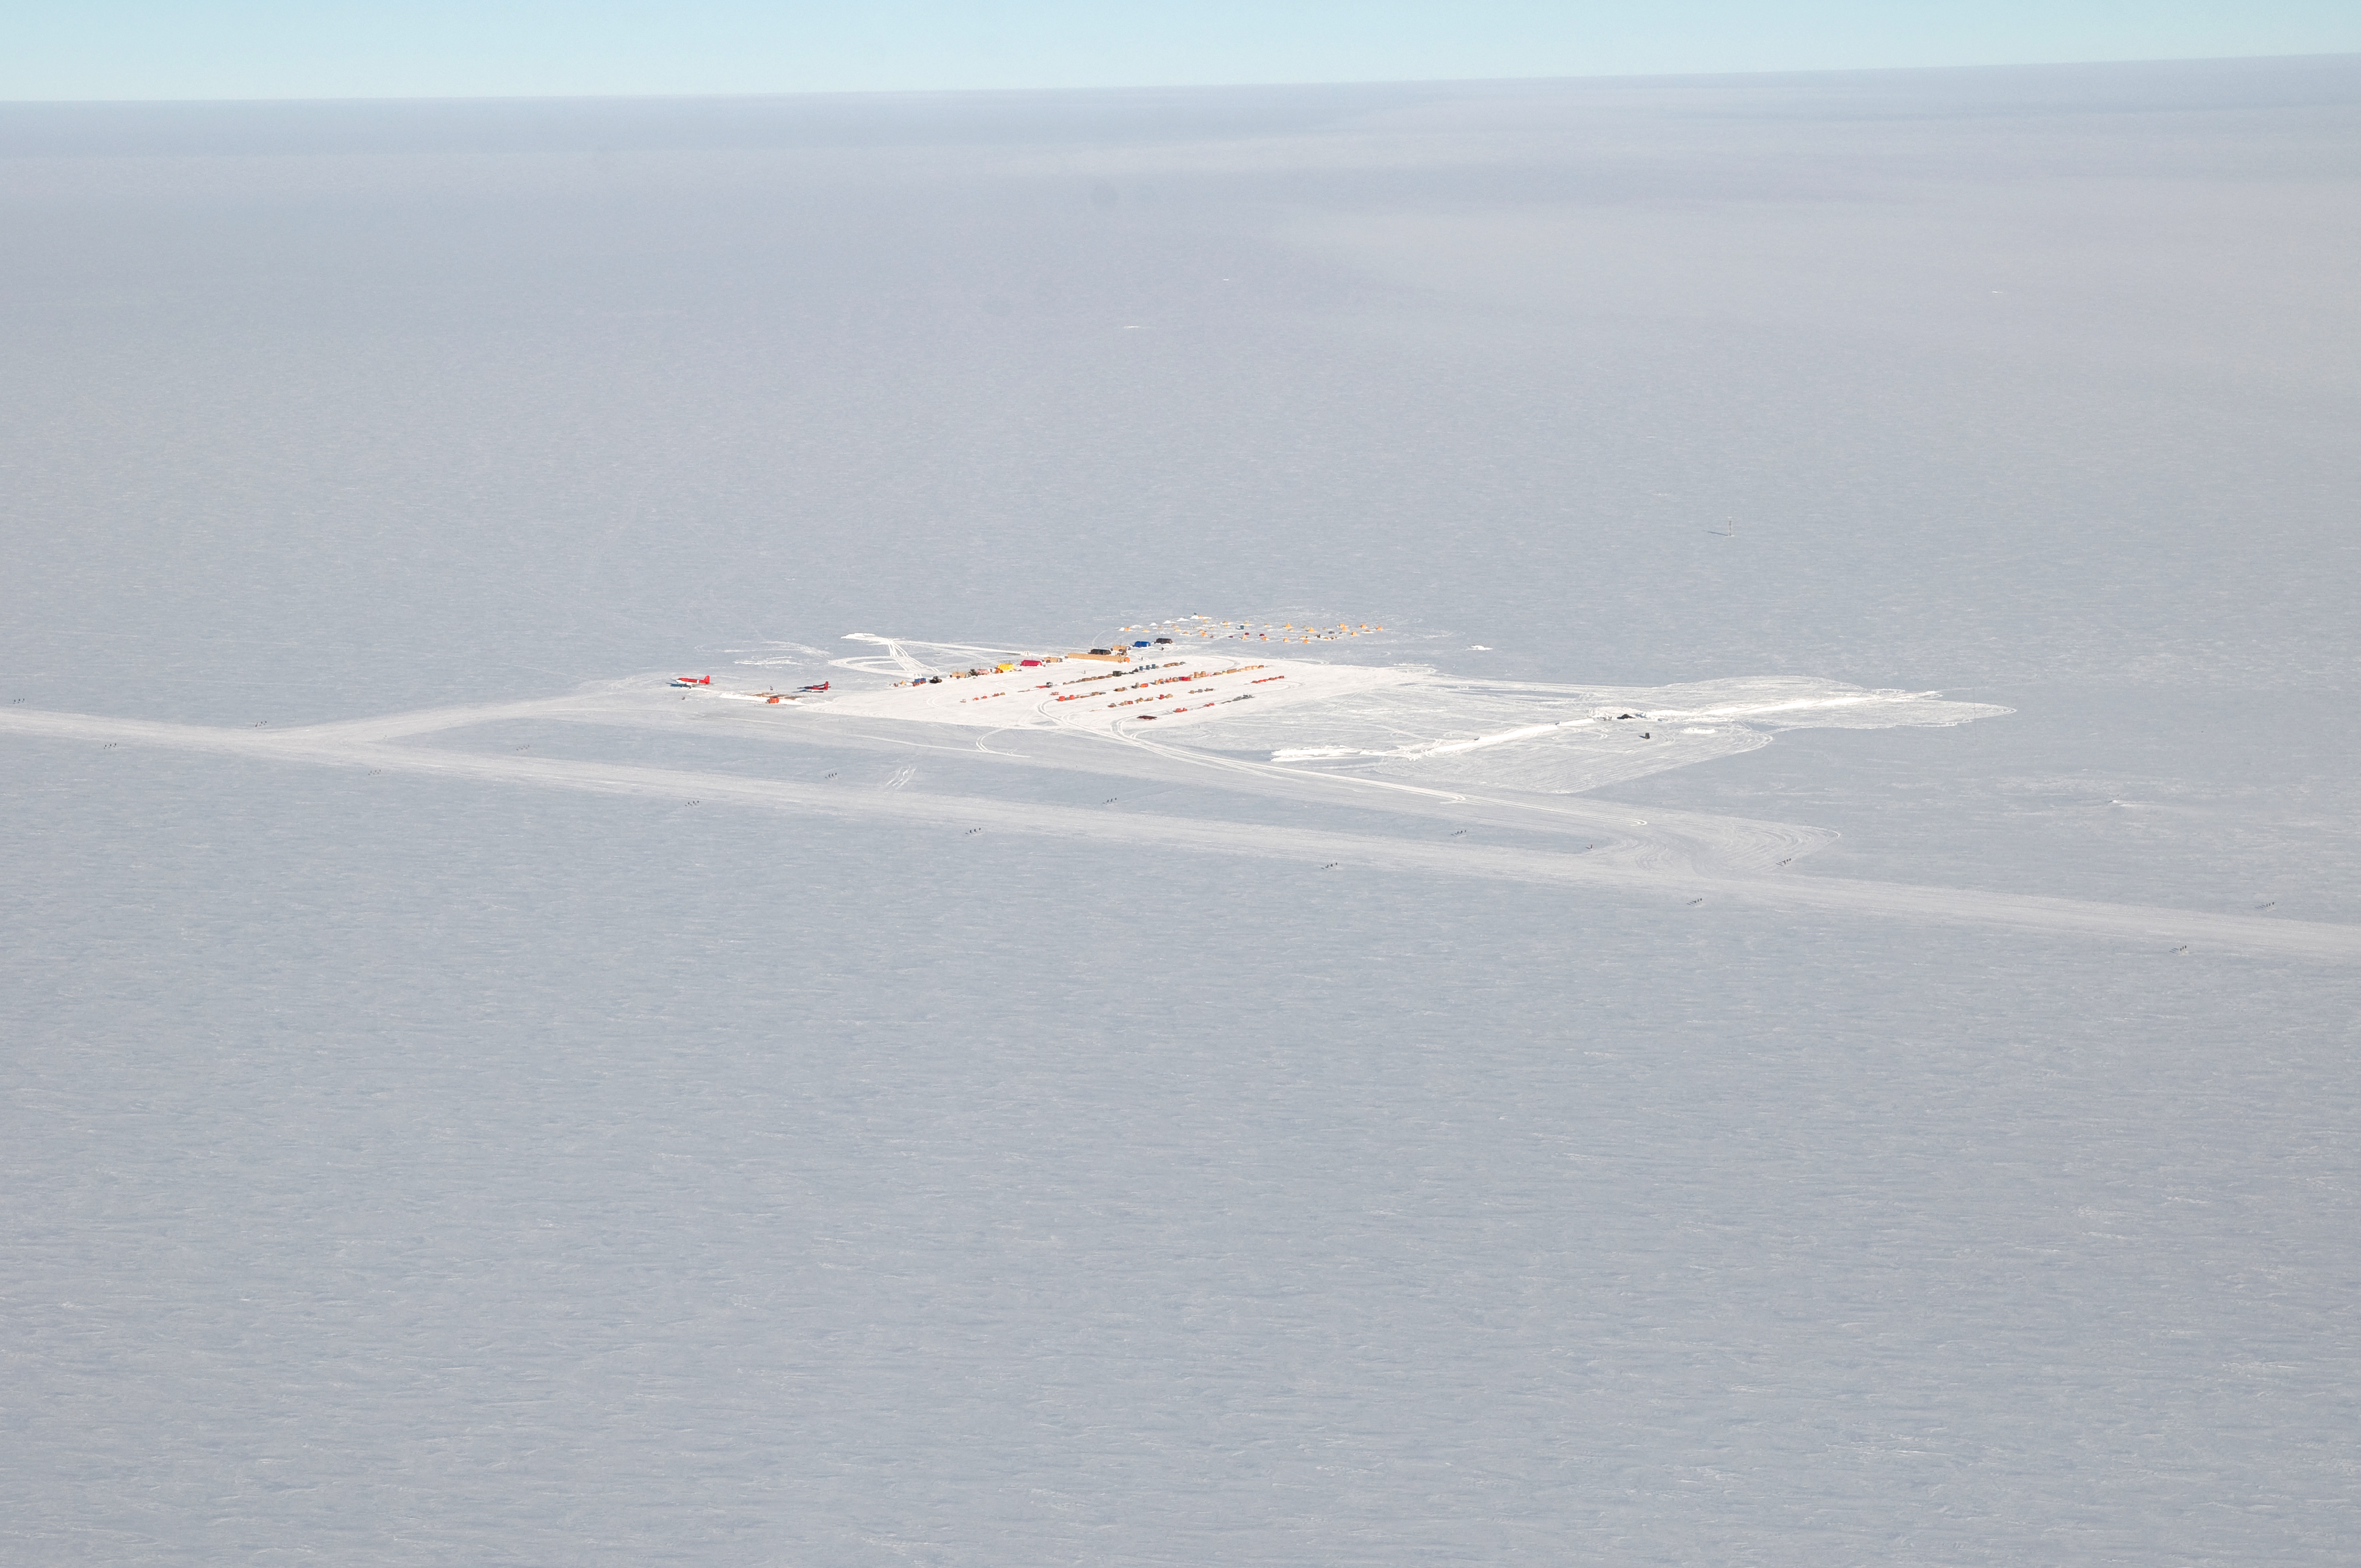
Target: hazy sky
(302,48)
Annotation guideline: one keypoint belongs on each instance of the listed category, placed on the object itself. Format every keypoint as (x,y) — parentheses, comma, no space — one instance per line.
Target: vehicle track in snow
(1665,862)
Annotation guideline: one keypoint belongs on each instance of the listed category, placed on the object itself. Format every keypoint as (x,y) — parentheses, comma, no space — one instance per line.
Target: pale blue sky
(289,48)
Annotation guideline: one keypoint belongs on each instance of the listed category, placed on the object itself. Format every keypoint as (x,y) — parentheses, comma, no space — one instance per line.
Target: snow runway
(1685,855)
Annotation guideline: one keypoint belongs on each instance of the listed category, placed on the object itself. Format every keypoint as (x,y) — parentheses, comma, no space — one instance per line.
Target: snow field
(638,1128)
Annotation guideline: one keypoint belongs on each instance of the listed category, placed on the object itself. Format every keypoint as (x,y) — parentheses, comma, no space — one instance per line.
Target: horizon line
(1277,86)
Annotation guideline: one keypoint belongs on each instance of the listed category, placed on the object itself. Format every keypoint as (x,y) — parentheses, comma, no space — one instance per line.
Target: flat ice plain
(1888,1100)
